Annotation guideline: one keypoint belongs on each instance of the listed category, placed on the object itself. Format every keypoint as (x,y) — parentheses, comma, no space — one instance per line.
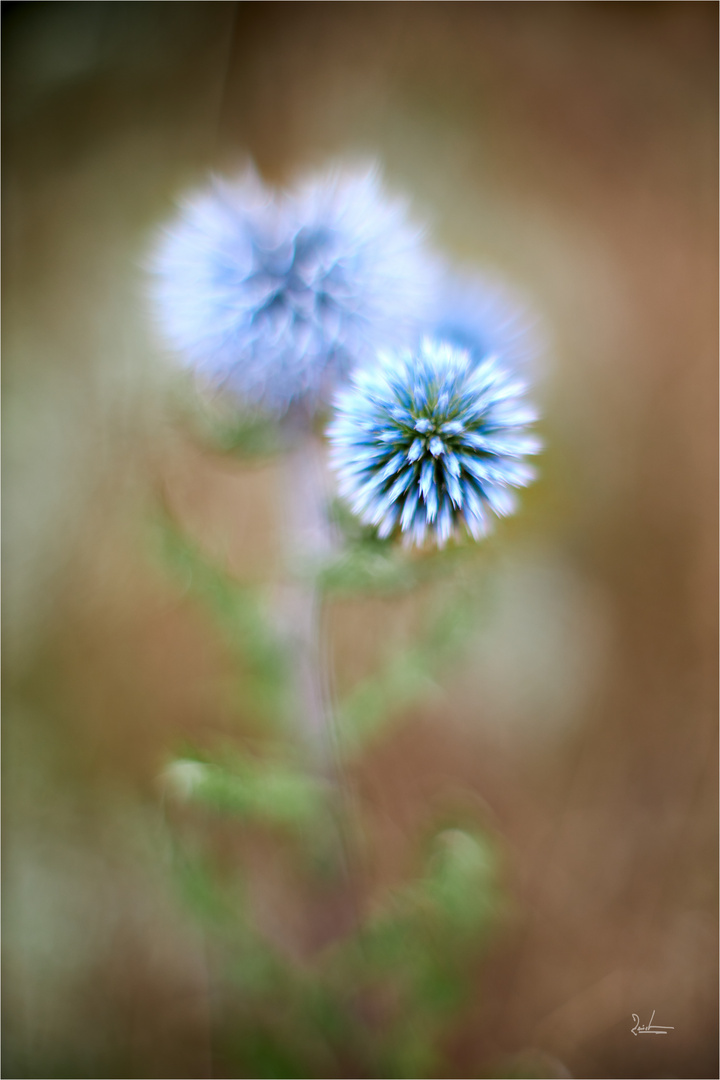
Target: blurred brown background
(574,146)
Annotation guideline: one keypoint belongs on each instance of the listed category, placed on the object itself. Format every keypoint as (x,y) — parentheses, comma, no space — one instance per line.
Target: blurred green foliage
(272,793)
(379,998)
(261,658)
(223,428)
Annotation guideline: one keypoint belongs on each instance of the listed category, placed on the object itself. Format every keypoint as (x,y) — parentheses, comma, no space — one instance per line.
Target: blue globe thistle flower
(481,314)
(429,442)
(277,297)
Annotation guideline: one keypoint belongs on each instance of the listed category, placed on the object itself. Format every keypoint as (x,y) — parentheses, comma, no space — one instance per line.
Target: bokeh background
(573,147)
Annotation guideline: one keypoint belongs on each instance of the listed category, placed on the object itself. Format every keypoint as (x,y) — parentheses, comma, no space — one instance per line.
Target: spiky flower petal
(430,442)
(276,297)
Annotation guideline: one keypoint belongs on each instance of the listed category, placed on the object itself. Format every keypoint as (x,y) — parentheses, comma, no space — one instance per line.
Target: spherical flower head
(276,298)
(431,443)
(480,313)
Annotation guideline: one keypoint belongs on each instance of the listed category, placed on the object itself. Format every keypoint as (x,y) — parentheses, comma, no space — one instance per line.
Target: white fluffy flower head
(276,297)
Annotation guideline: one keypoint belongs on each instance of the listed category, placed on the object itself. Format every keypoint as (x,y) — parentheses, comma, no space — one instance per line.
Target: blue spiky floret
(427,442)
(276,297)
(479,312)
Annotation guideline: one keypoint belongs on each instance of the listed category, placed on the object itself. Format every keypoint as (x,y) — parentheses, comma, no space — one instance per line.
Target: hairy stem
(309,541)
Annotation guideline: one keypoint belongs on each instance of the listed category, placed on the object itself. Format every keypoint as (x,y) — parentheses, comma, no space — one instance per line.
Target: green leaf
(221,425)
(239,613)
(361,715)
(270,793)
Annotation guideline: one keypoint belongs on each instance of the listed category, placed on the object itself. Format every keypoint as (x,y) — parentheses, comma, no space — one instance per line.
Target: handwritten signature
(649,1029)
